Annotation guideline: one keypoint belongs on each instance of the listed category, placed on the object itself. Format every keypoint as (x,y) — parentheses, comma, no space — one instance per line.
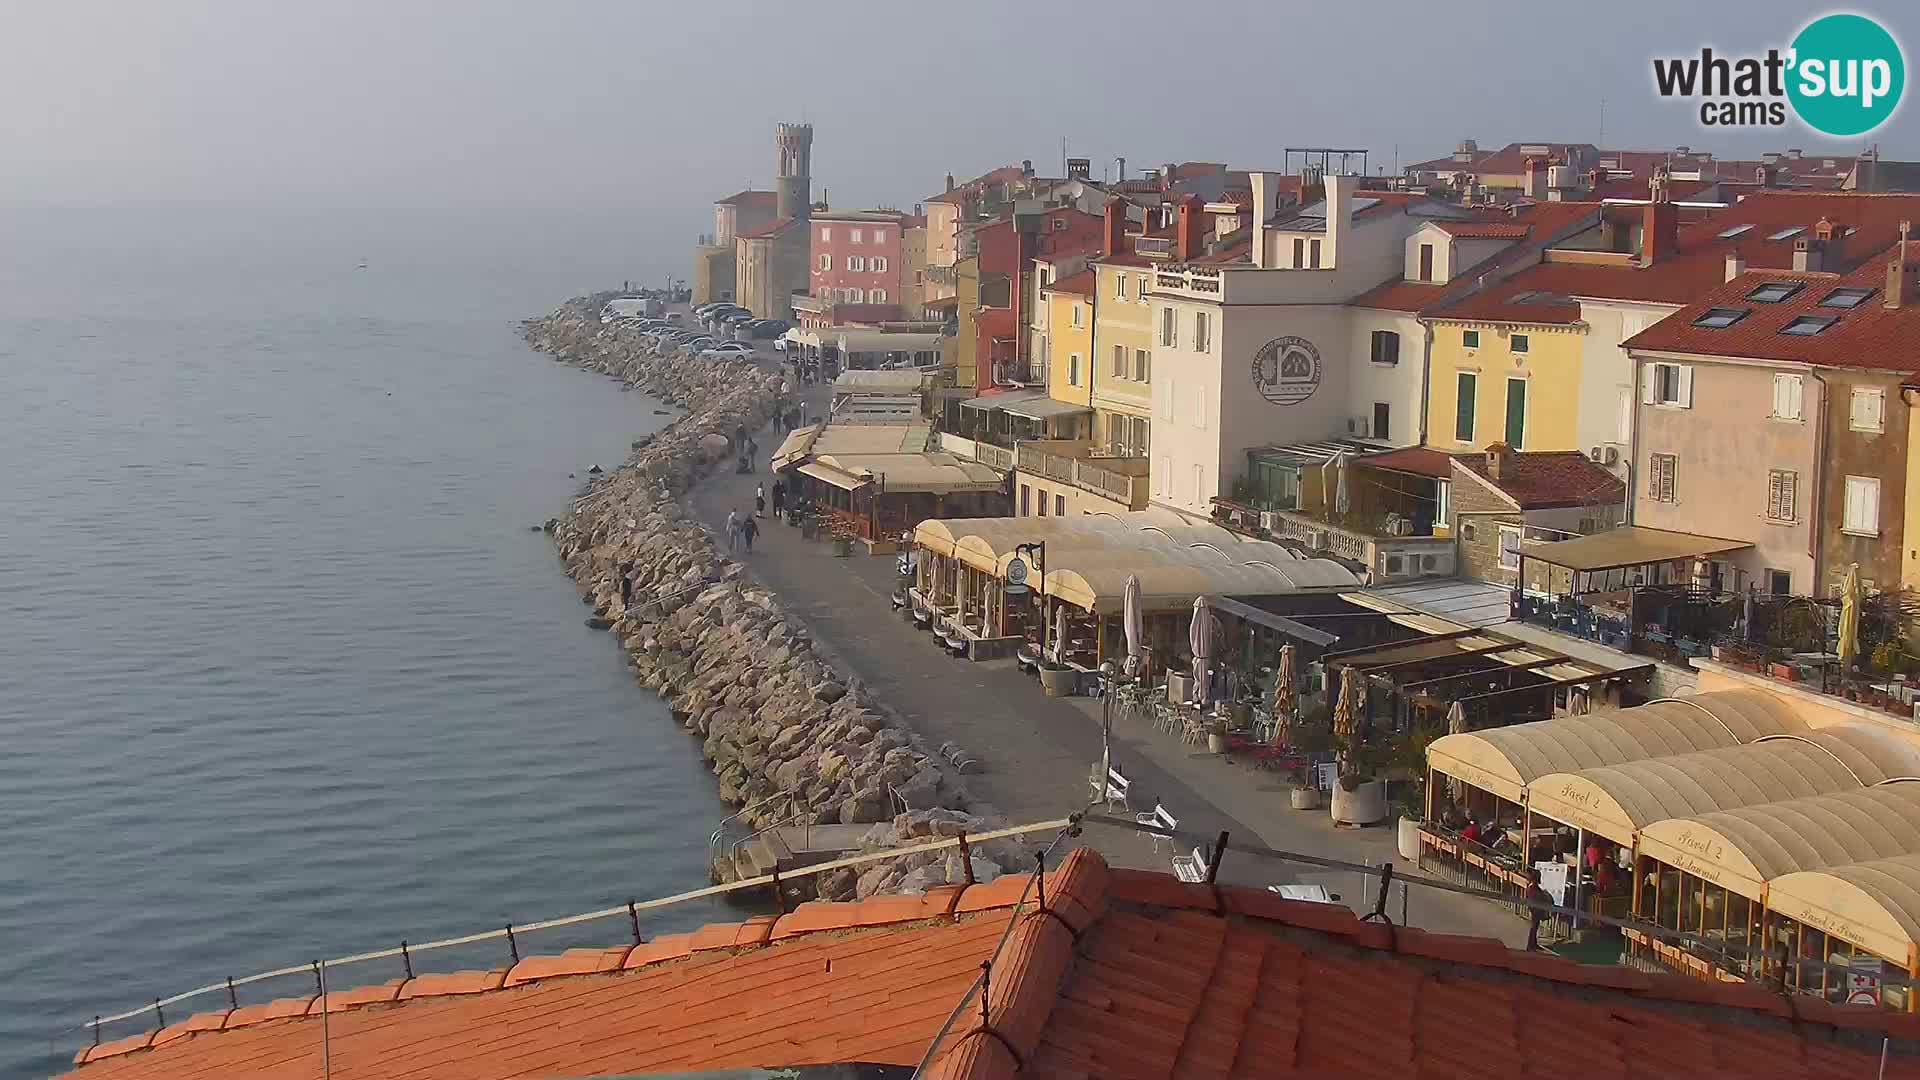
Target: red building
(857,256)
(1006,281)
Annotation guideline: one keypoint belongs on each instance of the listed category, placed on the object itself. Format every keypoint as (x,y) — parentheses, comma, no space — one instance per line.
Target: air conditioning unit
(1612,455)
(1595,454)
(1317,539)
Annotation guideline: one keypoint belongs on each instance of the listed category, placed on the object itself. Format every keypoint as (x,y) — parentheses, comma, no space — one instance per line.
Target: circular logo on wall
(1286,370)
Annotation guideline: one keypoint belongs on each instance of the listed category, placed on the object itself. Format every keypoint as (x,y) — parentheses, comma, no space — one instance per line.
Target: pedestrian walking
(779,497)
(748,530)
(733,529)
(759,500)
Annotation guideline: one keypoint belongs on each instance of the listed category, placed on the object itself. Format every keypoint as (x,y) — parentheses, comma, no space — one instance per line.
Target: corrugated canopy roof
(1045,408)
(1617,801)
(797,444)
(881,382)
(930,472)
(1629,545)
(1745,848)
(1173,583)
(1874,904)
(1506,760)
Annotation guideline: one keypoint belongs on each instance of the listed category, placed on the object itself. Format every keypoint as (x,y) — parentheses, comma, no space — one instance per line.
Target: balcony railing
(997,457)
(1200,283)
(1387,555)
(1154,247)
(1123,480)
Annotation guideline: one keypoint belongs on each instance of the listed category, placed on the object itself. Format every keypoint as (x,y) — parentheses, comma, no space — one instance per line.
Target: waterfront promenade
(1038,750)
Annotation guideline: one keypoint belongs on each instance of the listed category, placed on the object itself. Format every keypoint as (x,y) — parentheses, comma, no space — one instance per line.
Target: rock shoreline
(791,738)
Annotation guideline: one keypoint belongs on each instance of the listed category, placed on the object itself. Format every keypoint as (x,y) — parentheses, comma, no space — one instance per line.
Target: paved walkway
(1038,750)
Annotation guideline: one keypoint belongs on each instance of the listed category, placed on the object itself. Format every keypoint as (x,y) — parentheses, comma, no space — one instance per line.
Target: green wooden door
(1516,412)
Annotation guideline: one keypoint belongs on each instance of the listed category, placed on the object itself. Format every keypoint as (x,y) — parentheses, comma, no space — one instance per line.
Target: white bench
(1114,790)
(1160,818)
(1191,869)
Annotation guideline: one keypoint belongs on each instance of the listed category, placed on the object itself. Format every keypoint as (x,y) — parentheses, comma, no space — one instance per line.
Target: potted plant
(1309,738)
(1408,756)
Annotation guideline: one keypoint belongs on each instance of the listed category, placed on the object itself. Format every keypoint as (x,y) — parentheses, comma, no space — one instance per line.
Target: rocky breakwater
(792,739)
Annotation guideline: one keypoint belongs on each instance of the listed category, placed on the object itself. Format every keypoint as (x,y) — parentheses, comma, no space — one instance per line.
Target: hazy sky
(671,105)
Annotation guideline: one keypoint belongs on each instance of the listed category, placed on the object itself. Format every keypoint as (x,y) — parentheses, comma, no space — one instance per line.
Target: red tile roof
(1127,973)
(1542,480)
(750,198)
(1005,174)
(778,225)
(1418,460)
(1509,230)
(1865,336)
(1080,284)
(1536,224)
(1699,264)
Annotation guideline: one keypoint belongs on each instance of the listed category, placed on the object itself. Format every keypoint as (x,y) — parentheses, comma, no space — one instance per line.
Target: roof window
(1847,298)
(1719,318)
(1809,325)
(1788,233)
(1774,291)
(1728,234)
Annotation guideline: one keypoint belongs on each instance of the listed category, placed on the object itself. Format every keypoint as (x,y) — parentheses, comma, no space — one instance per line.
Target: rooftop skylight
(1788,233)
(1849,297)
(1728,234)
(1809,325)
(1719,318)
(1774,291)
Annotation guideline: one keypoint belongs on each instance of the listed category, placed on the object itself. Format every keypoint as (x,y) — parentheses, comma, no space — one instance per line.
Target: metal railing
(511,933)
(998,457)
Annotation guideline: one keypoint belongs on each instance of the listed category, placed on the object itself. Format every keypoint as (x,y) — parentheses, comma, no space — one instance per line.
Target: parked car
(768,328)
(730,348)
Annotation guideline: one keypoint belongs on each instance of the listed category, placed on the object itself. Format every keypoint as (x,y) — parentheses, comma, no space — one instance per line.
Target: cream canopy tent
(1171,583)
(1742,850)
(1617,801)
(1504,761)
(1874,905)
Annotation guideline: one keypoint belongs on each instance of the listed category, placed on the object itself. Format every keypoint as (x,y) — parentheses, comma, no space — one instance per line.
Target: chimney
(949,181)
(1190,237)
(1499,460)
(1794,153)
(1264,188)
(1897,272)
(1166,176)
(1806,255)
(1339,200)
(1659,231)
(1120,167)
(1532,188)
(1832,236)
(1736,265)
(1026,166)
(1116,231)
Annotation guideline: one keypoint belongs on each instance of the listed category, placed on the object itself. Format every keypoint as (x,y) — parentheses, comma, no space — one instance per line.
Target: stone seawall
(790,738)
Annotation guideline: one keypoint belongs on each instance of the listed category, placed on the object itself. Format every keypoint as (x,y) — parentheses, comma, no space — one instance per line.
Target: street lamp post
(1036,553)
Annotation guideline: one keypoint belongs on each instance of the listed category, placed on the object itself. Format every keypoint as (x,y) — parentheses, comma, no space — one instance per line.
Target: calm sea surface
(283,673)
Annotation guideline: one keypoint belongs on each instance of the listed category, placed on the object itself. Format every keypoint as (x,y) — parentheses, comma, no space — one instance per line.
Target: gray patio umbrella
(1456,725)
(1130,620)
(1060,632)
(1200,640)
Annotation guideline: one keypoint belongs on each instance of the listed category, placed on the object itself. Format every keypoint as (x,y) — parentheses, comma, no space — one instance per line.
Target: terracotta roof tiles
(1543,479)
(1867,335)
(750,198)
(1126,974)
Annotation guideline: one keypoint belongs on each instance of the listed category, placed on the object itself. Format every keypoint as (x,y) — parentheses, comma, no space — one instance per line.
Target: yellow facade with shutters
(1122,392)
(1522,382)
(1069,352)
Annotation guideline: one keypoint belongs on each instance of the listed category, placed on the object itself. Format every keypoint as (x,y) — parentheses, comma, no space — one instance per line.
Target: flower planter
(1784,672)
(1306,798)
(1058,681)
(1409,839)
(1366,804)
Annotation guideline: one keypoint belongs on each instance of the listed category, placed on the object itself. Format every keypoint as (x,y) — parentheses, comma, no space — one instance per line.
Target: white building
(1261,345)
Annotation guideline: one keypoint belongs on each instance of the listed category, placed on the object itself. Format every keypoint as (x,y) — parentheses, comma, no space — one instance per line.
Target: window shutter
(1647,378)
(1776,485)
(1683,392)
(1790,496)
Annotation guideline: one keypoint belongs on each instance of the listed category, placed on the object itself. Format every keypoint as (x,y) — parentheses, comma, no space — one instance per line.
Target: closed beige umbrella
(1848,645)
(1285,698)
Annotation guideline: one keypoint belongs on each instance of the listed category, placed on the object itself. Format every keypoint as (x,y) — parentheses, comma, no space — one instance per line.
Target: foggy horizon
(586,106)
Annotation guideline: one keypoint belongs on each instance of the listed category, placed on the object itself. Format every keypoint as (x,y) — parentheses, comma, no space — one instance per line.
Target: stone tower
(793,186)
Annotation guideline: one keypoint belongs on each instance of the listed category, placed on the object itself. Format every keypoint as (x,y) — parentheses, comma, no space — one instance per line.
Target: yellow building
(1122,390)
(1509,381)
(967,282)
(1068,304)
